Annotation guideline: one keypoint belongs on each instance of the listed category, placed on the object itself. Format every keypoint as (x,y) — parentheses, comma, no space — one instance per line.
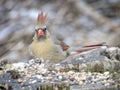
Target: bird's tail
(89,47)
(97,45)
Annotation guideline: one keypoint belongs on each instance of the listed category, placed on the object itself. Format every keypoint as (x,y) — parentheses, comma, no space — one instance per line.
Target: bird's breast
(47,50)
(41,48)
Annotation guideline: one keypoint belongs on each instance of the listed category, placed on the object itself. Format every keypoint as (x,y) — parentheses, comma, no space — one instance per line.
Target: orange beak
(40,33)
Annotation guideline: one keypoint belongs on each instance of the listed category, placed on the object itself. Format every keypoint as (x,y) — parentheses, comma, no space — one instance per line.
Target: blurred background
(76,22)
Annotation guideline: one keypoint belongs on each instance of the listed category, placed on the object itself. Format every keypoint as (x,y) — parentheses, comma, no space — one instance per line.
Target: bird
(44,46)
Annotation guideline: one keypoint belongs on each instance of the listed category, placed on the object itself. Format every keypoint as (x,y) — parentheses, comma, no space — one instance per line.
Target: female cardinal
(43,46)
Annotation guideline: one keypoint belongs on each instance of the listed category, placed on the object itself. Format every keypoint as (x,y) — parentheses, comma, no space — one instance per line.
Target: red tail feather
(90,47)
(95,45)
(85,49)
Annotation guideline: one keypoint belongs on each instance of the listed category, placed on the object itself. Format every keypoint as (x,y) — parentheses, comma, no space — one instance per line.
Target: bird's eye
(44,29)
(36,29)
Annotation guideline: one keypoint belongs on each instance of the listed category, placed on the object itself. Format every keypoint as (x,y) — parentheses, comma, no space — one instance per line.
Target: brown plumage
(43,46)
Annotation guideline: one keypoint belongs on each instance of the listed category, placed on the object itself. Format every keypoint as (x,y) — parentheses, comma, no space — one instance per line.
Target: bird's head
(41,32)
